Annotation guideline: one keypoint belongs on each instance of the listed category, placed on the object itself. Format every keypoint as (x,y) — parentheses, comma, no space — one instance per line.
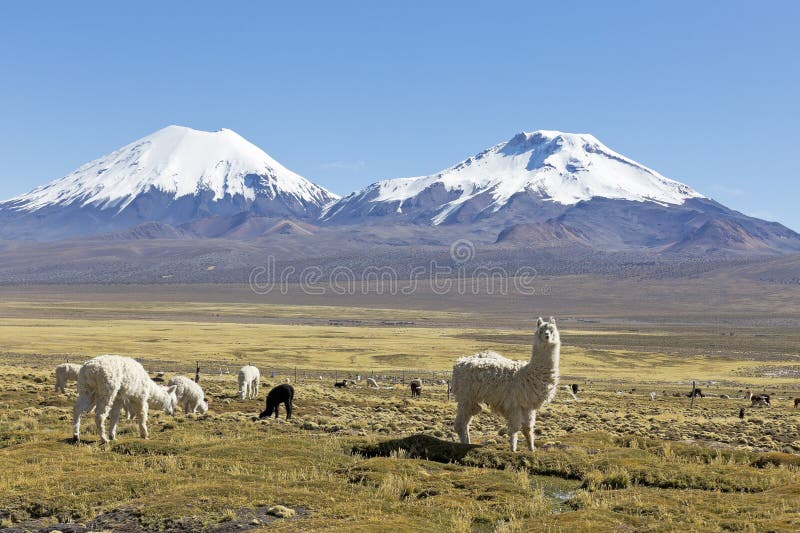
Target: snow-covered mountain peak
(179,162)
(551,166)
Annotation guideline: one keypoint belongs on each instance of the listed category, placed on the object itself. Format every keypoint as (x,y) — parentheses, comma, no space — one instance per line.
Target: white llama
(66,372)
(108,382)
(249,376)
(190,395)
(513,389)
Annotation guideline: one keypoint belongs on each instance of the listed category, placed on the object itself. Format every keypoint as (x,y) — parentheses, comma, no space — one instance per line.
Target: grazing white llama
(249,376)
(371,383)
(513,389)
(108,382)
(66,372)
(190,395)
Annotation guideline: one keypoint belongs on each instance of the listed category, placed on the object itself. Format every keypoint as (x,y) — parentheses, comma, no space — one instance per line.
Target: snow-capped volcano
(174,175)
(545,166)
(178,161)
(544,188)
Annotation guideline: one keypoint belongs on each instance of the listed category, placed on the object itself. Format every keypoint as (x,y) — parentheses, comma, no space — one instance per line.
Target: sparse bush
(614,479)
(397,487)
(777,459)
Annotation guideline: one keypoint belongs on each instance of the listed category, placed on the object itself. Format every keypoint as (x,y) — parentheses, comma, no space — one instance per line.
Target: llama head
(203,407)
(546,332)
(171,401)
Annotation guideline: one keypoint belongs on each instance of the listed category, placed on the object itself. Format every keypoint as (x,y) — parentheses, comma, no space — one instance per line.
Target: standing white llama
(513,389)
(249,378)
(107,382)
(66,372)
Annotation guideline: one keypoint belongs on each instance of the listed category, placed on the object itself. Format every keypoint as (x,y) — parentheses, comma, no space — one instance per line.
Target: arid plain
(361,458)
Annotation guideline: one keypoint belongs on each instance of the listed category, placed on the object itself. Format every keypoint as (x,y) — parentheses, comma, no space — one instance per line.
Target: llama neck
(157,396)
(545,360)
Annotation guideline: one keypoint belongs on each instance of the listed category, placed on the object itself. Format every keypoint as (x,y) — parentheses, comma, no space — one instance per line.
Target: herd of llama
(516,390)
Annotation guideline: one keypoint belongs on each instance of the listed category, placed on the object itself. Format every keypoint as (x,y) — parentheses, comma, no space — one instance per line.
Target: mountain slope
(549,188)
(174,175)
(543,170)
(537,190)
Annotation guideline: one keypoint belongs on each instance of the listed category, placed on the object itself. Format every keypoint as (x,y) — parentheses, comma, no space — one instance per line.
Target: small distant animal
(371,383)
(748,395)
(66,372)
(282,394)
(695,393)
(760,400)
(574,388)
(248,378)
(724,396)
(341,384)
(416,387)
(652,396)
(796,402)
(189,394)
(741,413)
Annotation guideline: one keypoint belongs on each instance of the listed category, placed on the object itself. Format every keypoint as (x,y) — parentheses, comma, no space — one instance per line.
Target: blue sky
(346,93)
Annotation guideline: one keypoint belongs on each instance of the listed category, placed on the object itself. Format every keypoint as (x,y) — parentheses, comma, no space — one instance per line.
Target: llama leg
(186,407)
(463,417)
(143,422)
(82,405)
(513,434)
(116,409)
(515,423)
(288,410)
(277,409)
(527,429)
(102,409)
(139,411)
(255,388)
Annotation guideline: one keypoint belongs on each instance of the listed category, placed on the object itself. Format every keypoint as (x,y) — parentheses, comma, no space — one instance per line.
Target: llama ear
(539,322)
(171,389)
(552,321)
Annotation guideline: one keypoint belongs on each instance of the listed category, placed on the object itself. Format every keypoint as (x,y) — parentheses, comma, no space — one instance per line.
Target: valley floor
(364,459)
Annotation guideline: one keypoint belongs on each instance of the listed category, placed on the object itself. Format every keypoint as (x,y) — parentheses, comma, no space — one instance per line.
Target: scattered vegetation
(362,458)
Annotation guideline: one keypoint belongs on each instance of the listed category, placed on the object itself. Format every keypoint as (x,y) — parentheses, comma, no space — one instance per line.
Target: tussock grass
(362,459)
